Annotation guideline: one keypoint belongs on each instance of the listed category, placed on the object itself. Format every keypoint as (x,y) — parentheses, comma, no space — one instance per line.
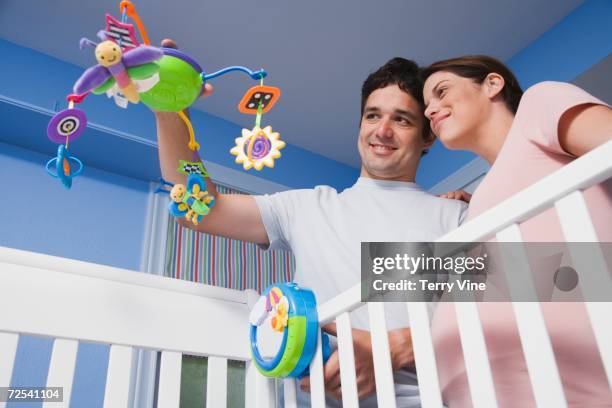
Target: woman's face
(456,107)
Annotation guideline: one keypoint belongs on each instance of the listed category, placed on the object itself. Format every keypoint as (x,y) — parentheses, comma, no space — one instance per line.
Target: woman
(475,103)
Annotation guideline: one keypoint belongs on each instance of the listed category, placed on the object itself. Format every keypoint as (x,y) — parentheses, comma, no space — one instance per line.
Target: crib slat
(539,356)
(144,387)
(290,389)
(578,227)
(591,268)
(259,390)
(599,314)
(8,350)
(8,347)
(425,360)
(250,386)
(216,391)
(317,386)
(169,393)
(117,392)
(383,372)
(61,368)
(346,356)
(475,353)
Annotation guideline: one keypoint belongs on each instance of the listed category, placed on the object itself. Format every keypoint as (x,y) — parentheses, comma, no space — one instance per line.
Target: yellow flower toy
(257,148)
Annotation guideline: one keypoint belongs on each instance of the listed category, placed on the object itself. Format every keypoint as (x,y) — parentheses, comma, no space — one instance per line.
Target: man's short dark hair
(403,73)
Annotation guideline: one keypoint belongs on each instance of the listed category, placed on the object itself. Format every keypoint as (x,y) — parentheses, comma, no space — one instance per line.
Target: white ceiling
(318,52)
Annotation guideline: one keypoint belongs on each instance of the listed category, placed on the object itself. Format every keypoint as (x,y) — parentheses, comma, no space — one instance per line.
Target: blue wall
(579,41)
(101,220)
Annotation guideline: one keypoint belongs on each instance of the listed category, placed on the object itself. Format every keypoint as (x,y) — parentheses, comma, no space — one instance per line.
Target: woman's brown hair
(476,68)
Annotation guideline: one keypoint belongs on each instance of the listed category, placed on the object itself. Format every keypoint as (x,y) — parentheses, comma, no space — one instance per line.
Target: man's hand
(170,126)
(400,344)
(457,195)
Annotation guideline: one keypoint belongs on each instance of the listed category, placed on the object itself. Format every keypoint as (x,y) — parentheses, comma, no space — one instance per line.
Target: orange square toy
(266,95)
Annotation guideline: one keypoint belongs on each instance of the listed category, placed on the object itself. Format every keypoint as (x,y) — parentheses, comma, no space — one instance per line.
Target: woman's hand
(457,195)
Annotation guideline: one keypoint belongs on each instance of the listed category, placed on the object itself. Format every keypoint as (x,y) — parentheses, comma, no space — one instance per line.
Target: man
(324,228)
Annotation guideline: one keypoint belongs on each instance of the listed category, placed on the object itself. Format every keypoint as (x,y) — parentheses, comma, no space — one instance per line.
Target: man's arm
(234,216)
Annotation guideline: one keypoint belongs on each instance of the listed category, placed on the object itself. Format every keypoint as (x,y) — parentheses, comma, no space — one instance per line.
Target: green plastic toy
(180,83)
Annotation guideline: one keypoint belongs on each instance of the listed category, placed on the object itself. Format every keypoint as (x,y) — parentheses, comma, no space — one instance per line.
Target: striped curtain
(218,261)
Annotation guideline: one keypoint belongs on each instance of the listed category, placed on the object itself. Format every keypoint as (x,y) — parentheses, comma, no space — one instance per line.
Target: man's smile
(381,149)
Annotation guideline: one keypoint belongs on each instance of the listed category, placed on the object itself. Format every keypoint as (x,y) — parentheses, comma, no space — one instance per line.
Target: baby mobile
(130,70)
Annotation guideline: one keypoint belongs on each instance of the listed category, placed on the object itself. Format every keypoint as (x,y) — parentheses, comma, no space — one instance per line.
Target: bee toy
(192,201)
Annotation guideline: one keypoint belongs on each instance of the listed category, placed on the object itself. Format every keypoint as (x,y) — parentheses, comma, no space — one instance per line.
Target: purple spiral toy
(259,146)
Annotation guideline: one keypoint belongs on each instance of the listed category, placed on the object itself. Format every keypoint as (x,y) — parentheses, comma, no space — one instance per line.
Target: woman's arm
(584,127)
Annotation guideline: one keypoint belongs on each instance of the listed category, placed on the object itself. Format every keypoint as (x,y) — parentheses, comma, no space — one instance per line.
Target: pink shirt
(531,152)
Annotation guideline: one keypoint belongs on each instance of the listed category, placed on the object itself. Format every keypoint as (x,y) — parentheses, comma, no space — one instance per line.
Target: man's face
(390,138)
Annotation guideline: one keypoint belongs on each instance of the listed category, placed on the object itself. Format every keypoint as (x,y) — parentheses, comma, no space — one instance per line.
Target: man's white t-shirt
(324,230)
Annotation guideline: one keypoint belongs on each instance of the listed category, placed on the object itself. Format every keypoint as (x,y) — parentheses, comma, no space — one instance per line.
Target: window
(219,261)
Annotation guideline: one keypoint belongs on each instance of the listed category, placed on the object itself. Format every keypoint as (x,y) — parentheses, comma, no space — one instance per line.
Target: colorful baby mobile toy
(191,201)
(292,312)
(130,70)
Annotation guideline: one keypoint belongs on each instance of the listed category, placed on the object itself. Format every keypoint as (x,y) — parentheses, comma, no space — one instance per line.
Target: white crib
(70,301)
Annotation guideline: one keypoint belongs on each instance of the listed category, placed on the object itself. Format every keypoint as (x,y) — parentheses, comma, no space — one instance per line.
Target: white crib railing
(73,301)
(563,190)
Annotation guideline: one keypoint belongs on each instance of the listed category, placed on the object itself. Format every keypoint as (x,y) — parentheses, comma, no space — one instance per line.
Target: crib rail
(110,305)
(561,190)
(74,301)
